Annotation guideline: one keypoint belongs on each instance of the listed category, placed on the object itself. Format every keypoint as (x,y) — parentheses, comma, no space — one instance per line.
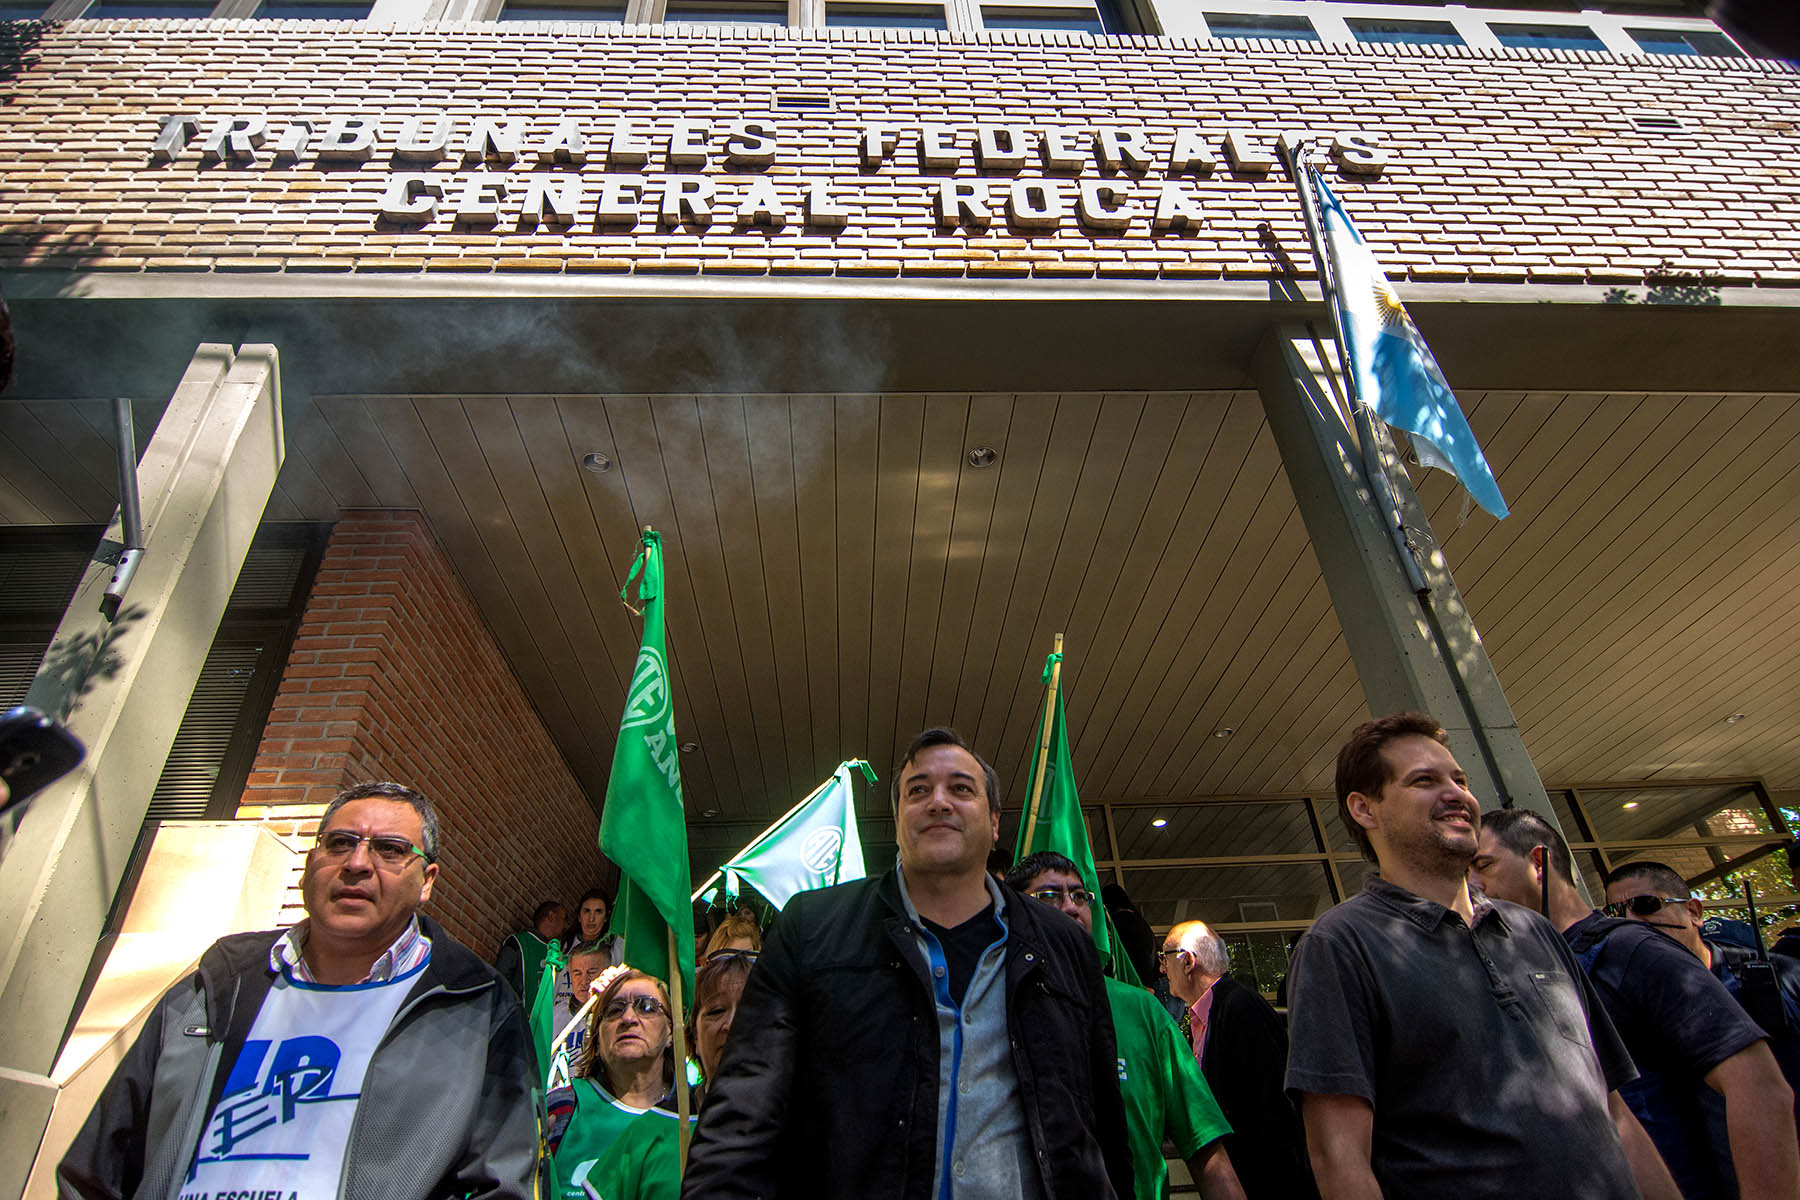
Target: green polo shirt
(593,1137)
(1164,1092)
(644,1164)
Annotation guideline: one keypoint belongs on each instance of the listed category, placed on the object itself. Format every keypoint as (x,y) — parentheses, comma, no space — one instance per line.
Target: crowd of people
(1466,1026)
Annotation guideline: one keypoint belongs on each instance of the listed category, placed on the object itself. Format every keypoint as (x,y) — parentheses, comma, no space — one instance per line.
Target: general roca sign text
(490,170)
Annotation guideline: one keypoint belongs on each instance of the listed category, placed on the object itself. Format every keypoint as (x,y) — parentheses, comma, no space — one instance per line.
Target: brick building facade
(777,290)
(1077,158)
(394,675)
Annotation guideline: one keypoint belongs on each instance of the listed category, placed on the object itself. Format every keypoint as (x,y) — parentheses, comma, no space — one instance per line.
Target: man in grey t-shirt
(1440,1048)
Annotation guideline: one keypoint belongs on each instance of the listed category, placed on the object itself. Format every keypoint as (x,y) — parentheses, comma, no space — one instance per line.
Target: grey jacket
(450,1106)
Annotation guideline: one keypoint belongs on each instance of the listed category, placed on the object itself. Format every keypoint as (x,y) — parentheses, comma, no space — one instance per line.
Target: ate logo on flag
(819,852)
(649,705)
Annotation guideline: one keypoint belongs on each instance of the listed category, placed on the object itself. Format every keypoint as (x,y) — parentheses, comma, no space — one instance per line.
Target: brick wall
(1507,166)
(394,676)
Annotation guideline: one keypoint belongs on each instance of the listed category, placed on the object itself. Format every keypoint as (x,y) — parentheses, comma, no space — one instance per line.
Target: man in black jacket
(927,1034)
(362,1054)
(1242,1046)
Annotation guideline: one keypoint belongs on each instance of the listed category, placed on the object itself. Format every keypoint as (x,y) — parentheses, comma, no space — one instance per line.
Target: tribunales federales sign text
(489,170)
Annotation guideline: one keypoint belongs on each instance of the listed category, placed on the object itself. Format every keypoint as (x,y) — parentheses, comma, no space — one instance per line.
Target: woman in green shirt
(626,1076)
(645,1162)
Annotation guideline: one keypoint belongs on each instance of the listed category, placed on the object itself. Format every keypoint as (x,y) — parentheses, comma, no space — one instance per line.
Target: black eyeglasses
(645,1006)
(1054,895)
(391,852)
(1166,951)
(1642,906)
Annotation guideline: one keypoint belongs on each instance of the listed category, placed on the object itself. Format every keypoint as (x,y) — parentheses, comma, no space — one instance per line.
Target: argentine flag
(1393,368)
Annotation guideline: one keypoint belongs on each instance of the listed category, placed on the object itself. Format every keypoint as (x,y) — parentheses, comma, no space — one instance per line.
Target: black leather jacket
(450,1107)
(829,1082)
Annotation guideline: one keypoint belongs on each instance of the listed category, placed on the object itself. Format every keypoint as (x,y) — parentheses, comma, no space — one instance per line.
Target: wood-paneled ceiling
(839,575)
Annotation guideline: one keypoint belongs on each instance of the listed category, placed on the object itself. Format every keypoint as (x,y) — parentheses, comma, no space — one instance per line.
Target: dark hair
(1660,875)
(1033,865)
(596,893)
(1361,766)
(709,979)
(594,1066)
(948,737)
(545,909)
(1519,829)
(399,793)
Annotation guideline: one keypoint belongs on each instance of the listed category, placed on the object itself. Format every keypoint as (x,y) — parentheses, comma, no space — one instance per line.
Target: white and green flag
(642,827)
(814,845)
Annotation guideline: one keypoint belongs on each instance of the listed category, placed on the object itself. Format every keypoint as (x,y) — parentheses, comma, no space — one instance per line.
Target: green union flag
(814,845)
(642,826)
(1056,823)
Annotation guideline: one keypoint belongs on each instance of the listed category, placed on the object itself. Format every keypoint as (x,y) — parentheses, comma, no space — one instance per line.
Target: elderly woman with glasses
(645,1163)
(625,1078)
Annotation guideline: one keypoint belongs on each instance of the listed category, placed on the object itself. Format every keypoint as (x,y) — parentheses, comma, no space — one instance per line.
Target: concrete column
(1410,654)
(123,686)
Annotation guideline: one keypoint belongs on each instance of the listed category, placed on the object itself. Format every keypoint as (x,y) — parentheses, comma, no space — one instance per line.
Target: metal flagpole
(1374,471)
(1043,755)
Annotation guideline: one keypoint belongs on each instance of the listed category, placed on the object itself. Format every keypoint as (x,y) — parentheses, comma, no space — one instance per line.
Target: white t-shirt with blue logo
(281,1125)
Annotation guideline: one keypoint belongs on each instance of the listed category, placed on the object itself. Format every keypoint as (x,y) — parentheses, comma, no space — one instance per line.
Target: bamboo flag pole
(680,1030)
(1043,754)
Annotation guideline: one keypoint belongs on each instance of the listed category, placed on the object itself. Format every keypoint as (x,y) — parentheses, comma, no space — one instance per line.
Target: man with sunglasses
(362,1053)
(1708,1092)
(1164,1092)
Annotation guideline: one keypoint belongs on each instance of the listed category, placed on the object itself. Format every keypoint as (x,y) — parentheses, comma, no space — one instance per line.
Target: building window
(21,12)
(1050,20)
(1548,37)
(1412,33)
(605,13)
(886,16)
(301,10)
(1253,25)
(1684,41)
(722,12)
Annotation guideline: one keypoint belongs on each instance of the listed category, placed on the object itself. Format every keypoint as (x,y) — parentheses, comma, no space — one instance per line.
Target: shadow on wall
(18,50)
(25,242)
(1666,286)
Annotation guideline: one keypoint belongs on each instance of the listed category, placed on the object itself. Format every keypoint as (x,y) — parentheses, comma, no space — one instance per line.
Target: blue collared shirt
(984,1145)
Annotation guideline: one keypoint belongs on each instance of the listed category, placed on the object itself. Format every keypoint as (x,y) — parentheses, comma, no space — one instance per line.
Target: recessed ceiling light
(689,747)
(596,462)
(1734,718)
(1223,731)
(710,812)
(1158,823)
(982,457)
(1629,805)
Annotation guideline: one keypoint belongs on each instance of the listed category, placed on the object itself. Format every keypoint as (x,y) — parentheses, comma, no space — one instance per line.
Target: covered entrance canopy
(846,566)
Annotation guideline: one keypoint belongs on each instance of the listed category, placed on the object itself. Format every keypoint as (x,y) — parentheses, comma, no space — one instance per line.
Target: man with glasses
(1242,1049)
(361,1053)
(1709,1092)
(926,1032)
(1164,1093)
